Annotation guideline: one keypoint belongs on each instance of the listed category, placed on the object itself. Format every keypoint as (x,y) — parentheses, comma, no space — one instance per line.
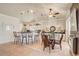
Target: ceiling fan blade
(56,13)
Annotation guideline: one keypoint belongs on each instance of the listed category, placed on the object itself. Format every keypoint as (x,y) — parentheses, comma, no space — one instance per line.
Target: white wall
(6,34)
(68,27)
(73,20)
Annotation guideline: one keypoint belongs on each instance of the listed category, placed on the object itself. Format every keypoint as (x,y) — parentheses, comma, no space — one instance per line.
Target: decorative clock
(52,28)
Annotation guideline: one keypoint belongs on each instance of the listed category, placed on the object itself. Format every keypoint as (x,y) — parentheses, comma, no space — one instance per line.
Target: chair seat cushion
(57,42)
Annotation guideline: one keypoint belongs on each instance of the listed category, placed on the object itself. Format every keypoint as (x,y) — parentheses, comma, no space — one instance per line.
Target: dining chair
(24,37)
(17,37)
(36,35)
(30,37)
(46,42)
(58,42)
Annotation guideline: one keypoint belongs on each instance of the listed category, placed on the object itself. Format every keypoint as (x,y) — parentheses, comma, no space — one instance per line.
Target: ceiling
(40,10)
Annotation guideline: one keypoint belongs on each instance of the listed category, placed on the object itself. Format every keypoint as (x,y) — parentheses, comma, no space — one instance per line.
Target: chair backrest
(15,34)
(61,38)
(23,34)
(30,34)
(45,40)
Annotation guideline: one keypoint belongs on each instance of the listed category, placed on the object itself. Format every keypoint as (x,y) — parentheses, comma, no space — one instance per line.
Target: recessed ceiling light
(31,11)
(22,12)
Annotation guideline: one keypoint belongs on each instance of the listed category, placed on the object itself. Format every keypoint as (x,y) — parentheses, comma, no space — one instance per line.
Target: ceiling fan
(52,14)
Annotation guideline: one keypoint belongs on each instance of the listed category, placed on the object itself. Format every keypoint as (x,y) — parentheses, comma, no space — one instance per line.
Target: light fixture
(22,12)
(52,13)
(31,11)
(26,11)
